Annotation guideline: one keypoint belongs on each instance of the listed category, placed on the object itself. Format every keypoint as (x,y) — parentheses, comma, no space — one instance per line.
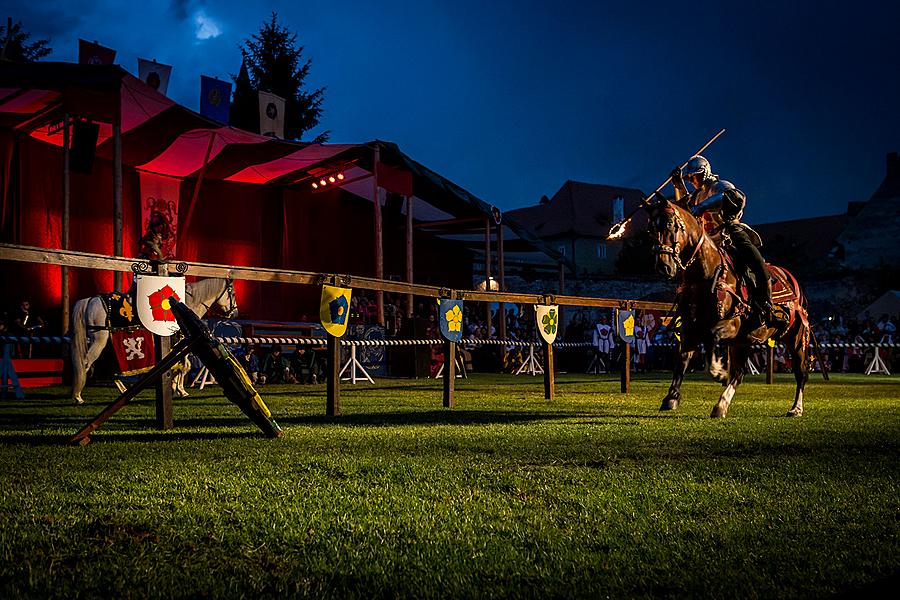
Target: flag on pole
(154,74)
(451,314)
(215,98)
(271,115)
(92,53)
(159,215)
(334,309)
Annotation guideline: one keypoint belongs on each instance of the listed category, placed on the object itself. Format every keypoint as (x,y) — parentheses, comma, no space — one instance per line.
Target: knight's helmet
(697,166)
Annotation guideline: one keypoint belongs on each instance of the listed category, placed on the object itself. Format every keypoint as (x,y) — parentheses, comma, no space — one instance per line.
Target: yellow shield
(334,310)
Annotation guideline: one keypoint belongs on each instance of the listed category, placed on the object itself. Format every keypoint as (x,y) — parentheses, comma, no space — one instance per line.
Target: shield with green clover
(450,313)
(334,309)
(547,321)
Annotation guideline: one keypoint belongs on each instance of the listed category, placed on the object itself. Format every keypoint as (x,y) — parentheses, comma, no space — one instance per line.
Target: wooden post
(449,374)
(626,369)
(162,347)
(117,197)
(409,253)
(770,365)
(487,273)
(379,249)
(66,209)
(562,290)
(549,377)
(333,377)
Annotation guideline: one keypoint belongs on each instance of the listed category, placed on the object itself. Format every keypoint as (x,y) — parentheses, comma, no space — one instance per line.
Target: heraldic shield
(547,317)
(152,301)
(334,310)
(451,315)
(625,325)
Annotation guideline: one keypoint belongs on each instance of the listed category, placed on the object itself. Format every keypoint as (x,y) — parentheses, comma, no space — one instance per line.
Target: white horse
(90,333)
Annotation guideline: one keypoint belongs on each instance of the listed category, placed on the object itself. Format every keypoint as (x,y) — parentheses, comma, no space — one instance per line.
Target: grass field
(507,495)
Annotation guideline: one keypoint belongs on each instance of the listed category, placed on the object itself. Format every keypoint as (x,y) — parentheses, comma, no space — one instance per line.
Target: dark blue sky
(511,98)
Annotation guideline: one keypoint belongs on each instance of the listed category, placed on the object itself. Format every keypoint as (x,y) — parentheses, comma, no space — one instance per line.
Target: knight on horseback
(720,205)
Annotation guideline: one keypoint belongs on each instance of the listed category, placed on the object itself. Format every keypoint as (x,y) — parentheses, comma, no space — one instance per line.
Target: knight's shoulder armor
(720,186)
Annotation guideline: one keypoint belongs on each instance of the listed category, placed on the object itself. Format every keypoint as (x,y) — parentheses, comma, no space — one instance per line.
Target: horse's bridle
(675,249)
(232,302)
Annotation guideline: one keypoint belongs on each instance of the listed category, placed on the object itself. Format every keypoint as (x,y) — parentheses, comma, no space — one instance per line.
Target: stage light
(331,179)
(340,176)
(323,182)
(315,185)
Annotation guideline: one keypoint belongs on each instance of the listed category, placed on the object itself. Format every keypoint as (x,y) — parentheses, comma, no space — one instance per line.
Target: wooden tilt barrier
(88,260)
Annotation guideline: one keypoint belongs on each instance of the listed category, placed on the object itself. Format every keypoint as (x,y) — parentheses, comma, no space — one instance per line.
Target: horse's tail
(802,308)
(79,344)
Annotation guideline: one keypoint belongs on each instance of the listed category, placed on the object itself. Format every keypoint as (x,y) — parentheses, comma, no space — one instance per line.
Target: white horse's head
(206,293)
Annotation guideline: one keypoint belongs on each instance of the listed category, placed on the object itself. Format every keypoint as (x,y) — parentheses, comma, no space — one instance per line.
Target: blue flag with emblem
(334,309)
(215,99)
(451,315)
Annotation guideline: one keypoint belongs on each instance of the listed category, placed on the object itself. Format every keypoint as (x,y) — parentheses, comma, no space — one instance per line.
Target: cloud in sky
(206,27)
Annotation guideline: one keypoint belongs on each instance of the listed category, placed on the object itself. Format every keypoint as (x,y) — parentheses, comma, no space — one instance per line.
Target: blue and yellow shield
(334,310)
(451,315)
(625,325)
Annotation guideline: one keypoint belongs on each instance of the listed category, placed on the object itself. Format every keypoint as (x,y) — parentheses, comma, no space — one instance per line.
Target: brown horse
(713,306)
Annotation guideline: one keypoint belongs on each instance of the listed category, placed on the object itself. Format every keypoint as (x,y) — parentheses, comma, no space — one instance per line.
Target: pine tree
(15,45)
(272,62)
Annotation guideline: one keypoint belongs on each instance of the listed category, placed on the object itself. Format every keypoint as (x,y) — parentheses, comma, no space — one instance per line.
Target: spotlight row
(331,179)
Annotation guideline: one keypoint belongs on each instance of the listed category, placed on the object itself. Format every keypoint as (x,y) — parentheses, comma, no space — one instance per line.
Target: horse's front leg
(673,397)
(737,358)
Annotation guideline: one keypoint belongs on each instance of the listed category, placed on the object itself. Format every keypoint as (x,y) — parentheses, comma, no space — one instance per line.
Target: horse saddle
(120,313)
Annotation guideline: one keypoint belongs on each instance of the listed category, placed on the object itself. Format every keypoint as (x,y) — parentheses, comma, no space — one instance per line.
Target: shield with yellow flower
(547,321)
(152,301)
(334,309)
(451,315)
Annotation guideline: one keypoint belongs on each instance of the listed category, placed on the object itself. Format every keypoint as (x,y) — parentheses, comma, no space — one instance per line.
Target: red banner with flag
(159,216)
(133,350)
(92,53)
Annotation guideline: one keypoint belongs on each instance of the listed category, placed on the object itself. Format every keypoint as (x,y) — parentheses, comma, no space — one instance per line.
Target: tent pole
(117,196)
(501,314)
(409,253)
(379,250)
(562,290)
(190,212)
(65,222)
(487,273)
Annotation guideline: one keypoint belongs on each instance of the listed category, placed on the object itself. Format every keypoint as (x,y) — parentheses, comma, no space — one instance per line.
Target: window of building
(601,249)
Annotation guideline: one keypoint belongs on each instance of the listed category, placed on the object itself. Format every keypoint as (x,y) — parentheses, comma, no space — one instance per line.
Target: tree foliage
(273,62)
(15,47)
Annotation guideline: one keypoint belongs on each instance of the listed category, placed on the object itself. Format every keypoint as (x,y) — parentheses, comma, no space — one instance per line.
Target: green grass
(507,495)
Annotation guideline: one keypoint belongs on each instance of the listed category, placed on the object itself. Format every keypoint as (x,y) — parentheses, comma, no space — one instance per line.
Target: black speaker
(84,145)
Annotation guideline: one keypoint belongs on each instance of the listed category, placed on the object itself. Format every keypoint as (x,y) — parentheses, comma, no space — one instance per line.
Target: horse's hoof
(794,413)
(79,401)
(669,404)
(718,412)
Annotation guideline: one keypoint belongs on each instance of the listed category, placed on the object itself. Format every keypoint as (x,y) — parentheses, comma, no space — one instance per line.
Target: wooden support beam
(118,219)
(409,253)
(184,227)
(770,365)
(449,222)
(487,274)
(449,374)
(66,211)
(626,370)
(379,242)
(549,376)
(333,377)
(162,346)
(501,279)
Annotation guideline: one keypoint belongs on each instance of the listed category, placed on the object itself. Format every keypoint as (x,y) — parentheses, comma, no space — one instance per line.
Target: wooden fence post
(770,365)
(333,377)
(449,374)
(162,347)
(549,378)
(626,369)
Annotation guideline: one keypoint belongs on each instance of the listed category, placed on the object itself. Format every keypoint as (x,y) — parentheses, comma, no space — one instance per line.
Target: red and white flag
(271,115)
(92,53)
(154,74)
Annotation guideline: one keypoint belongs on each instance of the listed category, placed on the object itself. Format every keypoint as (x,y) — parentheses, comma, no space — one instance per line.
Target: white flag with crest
(271,115)
(152,301)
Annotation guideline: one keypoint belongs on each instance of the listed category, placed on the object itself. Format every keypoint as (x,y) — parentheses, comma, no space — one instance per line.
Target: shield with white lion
(152,301)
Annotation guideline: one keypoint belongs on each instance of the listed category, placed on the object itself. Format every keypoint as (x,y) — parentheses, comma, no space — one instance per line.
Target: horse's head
(670,232)
(227,300)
